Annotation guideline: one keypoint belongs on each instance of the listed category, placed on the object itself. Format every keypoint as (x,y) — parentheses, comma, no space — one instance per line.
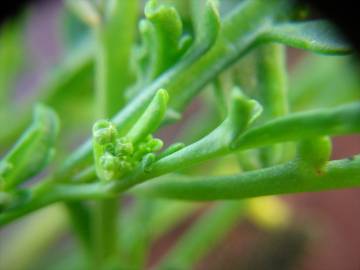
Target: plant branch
(186,78)
(292,177)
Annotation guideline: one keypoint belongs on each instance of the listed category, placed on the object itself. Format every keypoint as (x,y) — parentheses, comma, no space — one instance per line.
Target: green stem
(297,126)
(79,215)
(287,178)
(272,80)
(105,228)
(135,239)
(271,71)
(114,39)
(294,127)
(115,36)
(292,177)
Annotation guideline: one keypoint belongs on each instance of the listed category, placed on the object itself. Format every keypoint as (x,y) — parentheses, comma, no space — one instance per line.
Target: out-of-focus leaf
(73,29)
(206,24)
(67,89)
(33,151)
(208,230)
(311,88)
(85,10)
(115,36)
(168,31)
(162,43)
(317,36)
(11,58)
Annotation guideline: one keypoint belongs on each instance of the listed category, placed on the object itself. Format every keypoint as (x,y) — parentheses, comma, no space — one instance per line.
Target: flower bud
(104,132)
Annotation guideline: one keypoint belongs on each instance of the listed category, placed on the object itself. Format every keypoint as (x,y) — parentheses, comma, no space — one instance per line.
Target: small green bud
(147,161)
(155,145)
(243,112)
(315,152)
(125,166)
(104,132)
(143,148)
(109,162)
(171,149)
(32,151)
(123,147)
(109,148)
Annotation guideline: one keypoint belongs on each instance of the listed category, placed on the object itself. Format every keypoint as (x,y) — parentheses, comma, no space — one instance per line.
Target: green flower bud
(104,132)
(125,166)
(109,162)
(155,145)
(123,147)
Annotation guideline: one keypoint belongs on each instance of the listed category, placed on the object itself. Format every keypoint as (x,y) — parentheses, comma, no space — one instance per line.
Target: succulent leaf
(33,151)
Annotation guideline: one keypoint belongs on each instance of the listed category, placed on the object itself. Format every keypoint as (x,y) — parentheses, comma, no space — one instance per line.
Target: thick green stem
(271,72)
(272,80)
(288,178)
(135,239)
(105,228)
(115,36)
(294,127)
(292,177)
(297,126)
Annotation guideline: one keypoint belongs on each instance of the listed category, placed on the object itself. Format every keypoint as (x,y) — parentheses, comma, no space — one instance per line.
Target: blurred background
(324,228)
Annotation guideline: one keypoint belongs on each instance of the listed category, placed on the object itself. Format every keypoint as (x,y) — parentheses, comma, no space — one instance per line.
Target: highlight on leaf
(318,36)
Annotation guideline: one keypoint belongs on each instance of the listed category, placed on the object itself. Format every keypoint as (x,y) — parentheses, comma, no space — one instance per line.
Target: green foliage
(114,81)
(12,57)
(33,151)
(318,36)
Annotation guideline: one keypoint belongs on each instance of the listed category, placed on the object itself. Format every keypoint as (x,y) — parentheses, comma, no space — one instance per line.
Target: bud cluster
(116,155)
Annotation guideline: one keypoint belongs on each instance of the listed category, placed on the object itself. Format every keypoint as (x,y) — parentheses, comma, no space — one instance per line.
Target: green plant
(144,80)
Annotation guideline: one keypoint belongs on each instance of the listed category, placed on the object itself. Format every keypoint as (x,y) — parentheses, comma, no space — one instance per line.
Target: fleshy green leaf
(167,30)
(243,111)
(318,36)
(162,43)
(33,151)
(151,118)
(311,88)
(206,23)
(115,36)
(315,152)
